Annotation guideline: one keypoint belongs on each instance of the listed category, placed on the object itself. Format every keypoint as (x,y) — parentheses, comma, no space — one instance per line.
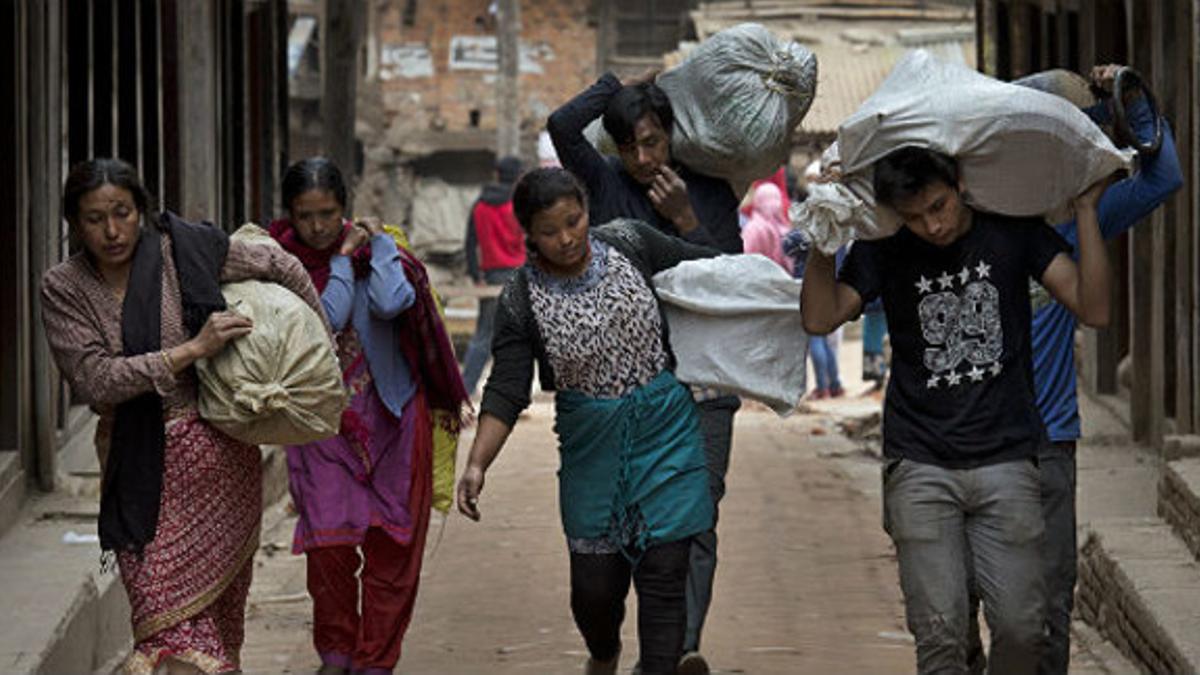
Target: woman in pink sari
(126,318)
(768,225)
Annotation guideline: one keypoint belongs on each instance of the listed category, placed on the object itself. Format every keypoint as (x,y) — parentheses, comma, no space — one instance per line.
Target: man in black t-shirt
(961,428)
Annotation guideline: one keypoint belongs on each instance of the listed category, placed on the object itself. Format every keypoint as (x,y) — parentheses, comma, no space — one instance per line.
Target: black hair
(314,173)
(508,169)
(905,172)
(95,173)
(632,103)
(540,189)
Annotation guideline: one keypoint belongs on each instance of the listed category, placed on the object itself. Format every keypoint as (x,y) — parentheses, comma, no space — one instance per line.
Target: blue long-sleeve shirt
(372,305)
(1122,205)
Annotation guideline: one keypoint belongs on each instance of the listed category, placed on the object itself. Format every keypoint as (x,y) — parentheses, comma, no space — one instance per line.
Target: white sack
(735,325)
(282,383)
(439,216)
(1021,152)
(736,98)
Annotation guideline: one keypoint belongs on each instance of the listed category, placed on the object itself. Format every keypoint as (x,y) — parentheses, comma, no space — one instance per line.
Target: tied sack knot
(263,398)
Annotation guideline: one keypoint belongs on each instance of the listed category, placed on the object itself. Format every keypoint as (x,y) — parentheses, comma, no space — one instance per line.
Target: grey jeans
(1060,559)
(716,425)
(949,523)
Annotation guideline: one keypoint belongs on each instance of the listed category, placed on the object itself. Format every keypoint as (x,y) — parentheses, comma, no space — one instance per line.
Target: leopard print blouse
(602,330)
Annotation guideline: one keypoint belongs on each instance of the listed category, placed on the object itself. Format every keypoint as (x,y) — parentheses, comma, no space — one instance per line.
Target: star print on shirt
(924,285)
(996,368)
(983,270)
(946,280)
(964,276)
(953,379)
(976,374)
(933,382)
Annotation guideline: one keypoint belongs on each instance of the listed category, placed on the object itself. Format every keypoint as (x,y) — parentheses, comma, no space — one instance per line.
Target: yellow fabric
(445,442)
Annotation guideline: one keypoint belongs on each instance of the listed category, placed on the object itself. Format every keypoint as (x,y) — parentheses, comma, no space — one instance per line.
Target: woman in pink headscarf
(768,225)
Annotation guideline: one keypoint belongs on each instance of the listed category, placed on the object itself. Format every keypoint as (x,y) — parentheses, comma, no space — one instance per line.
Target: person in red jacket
(495,248)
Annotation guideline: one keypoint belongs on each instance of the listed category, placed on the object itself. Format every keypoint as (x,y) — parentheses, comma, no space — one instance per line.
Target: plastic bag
(735,325)
(282,383)
(737,97)
(1021,152)
(834,214)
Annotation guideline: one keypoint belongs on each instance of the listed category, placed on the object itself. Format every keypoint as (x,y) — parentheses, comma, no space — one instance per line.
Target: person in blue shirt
(822,349)
(1122,205)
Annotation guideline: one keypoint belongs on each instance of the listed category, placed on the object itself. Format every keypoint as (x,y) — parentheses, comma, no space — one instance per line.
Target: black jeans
(716,424)
(1060,553)
(599,584)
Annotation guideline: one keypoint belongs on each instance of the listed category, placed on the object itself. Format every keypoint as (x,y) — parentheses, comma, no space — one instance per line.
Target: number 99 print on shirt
(961,323)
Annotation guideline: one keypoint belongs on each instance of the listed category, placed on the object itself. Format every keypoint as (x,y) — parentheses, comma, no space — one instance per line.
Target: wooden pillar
(44,140)
(1177,104)
(196,93)
(1103,346)
(1018,30)
(1149,251)
(1087,35)
(341,30)
(1063,36)
(508,102)
(279,12)
(985,36)
(1192,161)
(1047,39)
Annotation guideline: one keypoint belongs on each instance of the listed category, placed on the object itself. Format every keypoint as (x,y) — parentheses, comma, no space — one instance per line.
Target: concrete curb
(12,490)
(1140,588)
(93,632)
(1180,447)
(1179,501)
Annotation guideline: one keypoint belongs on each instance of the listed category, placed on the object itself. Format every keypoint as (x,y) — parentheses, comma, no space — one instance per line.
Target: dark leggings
(599,584)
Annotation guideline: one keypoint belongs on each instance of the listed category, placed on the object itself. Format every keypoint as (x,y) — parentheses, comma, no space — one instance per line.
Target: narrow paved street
(806,582)
(807,579)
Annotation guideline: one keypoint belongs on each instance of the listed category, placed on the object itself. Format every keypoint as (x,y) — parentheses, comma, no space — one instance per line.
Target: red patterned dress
(188,586)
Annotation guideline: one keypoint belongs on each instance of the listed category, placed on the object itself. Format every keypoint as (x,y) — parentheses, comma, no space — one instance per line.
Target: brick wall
(426,85)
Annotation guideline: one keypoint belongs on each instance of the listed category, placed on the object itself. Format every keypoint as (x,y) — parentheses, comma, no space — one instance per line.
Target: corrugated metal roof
(847,76)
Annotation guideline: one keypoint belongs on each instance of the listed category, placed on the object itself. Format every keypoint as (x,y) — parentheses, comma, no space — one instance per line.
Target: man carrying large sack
(1124,204)
(644,183)
(962,430)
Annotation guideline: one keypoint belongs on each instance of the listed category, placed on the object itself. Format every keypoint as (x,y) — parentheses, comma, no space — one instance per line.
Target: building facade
(191,93)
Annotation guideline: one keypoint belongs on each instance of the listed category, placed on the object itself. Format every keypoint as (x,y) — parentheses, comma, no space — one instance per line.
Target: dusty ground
(807,581)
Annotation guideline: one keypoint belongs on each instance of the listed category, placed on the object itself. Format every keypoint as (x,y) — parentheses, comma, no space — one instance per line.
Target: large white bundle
(281,384)
(1021,152)
(737,98)
(735,325)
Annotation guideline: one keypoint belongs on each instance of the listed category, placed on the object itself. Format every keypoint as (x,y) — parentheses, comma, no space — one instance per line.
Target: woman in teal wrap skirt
(633,488)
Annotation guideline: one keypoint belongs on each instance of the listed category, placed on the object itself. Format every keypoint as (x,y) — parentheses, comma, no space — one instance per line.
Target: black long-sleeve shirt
(613,193)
